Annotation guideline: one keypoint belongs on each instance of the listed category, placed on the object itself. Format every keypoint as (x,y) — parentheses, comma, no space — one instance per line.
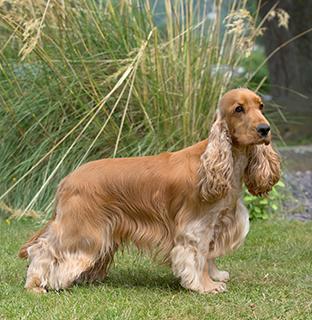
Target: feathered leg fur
(54,265)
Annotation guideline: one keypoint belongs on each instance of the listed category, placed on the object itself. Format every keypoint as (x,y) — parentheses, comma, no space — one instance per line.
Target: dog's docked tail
(23,253)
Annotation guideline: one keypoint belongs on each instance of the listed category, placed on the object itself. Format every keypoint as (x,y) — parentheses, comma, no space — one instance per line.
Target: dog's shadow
(133,269)
(140,278)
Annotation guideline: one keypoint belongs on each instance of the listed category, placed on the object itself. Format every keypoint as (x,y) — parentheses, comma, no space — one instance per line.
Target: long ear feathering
(263,169)
(216,169)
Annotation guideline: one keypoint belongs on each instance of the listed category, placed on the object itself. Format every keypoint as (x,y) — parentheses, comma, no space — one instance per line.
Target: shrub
(263,208)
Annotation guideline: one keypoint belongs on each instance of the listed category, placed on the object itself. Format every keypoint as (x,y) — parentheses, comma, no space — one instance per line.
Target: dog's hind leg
(48,271)
(67,270)
(100,268)
(38,270)
(58,259)
(77,245)
(51,269)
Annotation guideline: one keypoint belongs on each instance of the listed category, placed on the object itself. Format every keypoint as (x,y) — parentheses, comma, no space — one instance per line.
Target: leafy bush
(262,208)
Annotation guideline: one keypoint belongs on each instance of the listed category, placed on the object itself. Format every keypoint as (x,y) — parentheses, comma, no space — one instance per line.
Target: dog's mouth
(266,141)
(252,140)
(263,140)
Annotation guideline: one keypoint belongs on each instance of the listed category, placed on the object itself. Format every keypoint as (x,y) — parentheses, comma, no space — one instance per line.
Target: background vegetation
(90,79)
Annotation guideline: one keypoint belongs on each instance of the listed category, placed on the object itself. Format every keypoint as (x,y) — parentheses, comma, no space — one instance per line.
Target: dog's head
(239,123)
(242,110)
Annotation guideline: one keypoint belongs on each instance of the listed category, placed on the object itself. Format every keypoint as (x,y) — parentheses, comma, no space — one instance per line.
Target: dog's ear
(216,168)
(263,169)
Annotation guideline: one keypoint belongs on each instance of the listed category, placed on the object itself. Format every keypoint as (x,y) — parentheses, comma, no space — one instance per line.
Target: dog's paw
(222,276)
(37,290)
(214,287)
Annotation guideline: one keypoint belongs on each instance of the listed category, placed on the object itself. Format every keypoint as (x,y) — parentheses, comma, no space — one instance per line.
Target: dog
(187,205)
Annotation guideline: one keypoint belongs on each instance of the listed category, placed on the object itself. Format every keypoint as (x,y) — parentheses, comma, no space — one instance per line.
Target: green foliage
(262,207)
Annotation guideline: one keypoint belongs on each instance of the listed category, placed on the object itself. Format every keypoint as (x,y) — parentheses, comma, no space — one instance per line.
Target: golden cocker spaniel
(187,204)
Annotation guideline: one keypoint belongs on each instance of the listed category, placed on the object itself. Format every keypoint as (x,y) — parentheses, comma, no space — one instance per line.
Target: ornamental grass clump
(82,80)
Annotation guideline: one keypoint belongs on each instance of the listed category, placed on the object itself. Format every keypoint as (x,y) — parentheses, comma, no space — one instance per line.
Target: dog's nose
(263,129)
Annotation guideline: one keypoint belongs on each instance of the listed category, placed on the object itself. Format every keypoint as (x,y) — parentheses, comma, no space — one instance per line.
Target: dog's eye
(239,109)
(261,106)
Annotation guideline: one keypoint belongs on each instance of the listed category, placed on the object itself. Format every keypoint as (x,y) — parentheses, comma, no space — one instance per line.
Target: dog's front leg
(215,273)
(191,265)
(209,285)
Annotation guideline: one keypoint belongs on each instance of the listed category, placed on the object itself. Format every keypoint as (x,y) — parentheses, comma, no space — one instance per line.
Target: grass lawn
(271,279)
